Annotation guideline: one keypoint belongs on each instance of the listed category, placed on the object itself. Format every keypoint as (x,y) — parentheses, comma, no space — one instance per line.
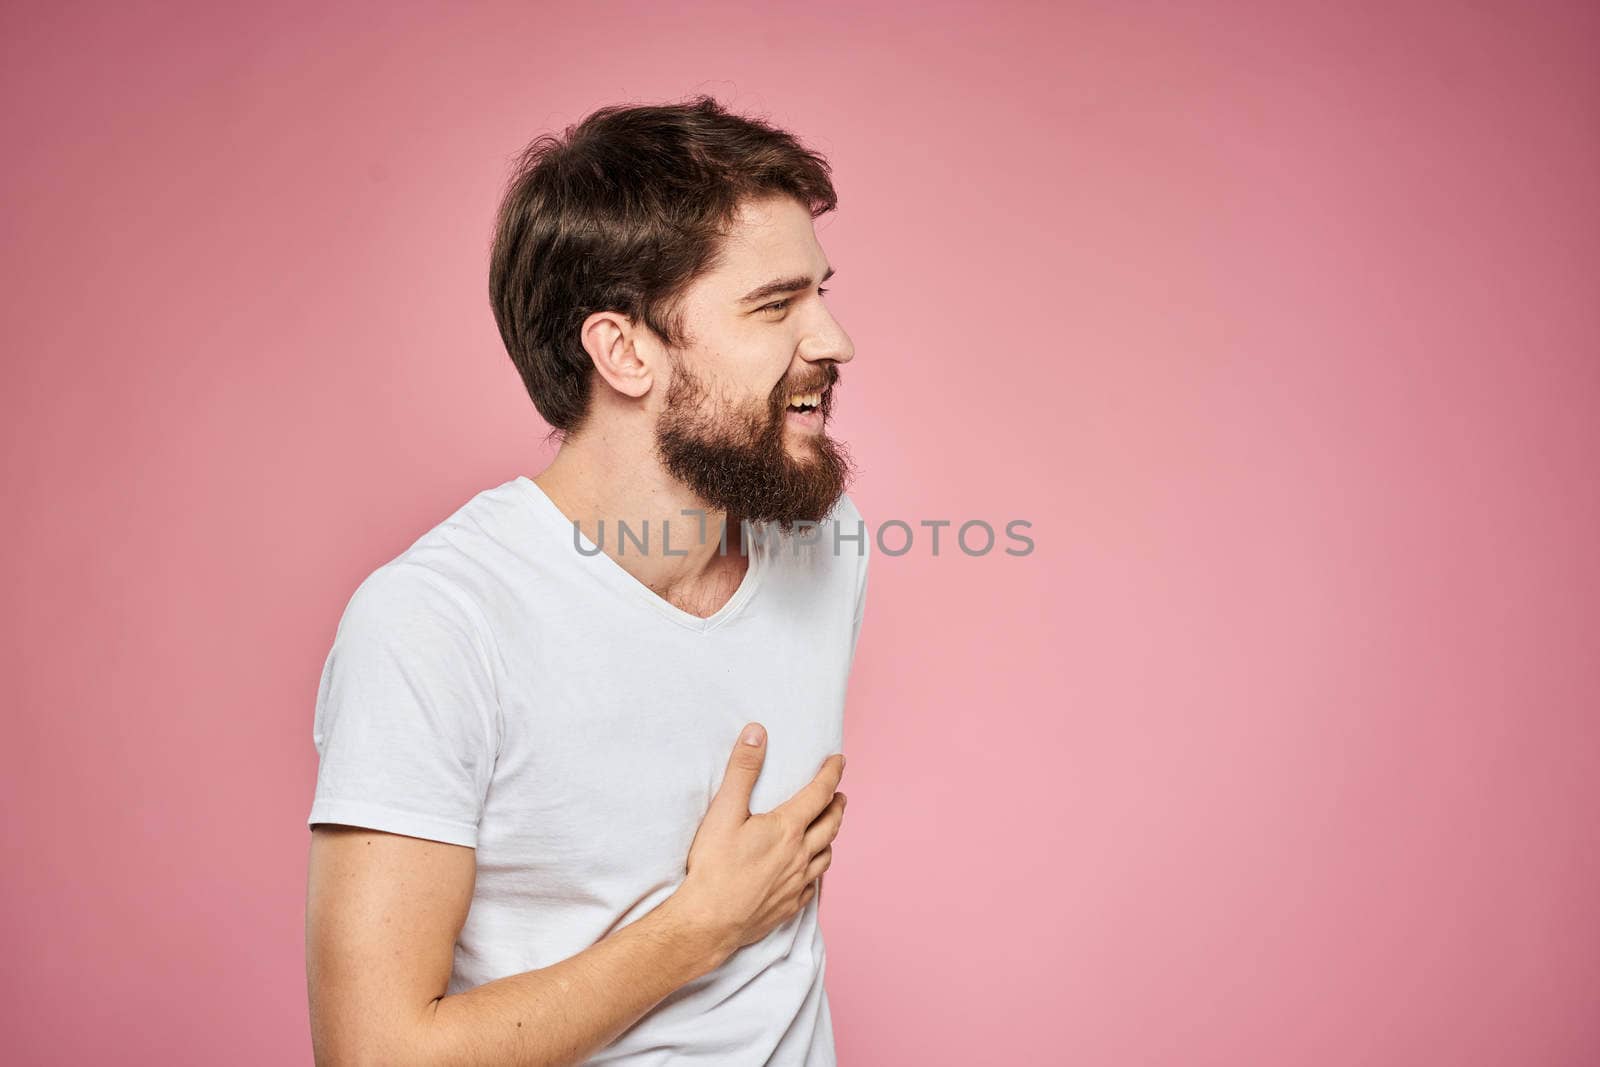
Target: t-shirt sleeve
(407,723)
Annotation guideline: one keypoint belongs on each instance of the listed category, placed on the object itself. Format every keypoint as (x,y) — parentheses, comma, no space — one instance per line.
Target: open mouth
(806,402)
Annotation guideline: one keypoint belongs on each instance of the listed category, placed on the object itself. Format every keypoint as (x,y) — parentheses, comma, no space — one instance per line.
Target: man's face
(744,419)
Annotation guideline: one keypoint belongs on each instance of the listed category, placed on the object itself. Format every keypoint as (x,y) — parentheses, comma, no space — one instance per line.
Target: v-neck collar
(614,574)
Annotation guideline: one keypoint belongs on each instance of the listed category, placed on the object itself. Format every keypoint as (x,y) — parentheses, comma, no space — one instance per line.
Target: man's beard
(737,461)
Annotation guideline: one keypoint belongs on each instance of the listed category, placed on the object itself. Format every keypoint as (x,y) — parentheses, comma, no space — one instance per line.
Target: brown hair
(621,213)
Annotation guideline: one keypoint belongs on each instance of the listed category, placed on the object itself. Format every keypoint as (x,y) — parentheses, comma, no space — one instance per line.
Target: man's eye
(779,305)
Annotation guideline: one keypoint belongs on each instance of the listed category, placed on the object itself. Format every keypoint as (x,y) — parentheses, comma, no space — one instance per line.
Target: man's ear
(610,338)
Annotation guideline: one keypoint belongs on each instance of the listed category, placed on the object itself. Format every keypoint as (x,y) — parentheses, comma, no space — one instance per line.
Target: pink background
(1278,323)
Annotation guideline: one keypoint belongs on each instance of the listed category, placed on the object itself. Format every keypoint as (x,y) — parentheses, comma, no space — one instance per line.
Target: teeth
(814,399)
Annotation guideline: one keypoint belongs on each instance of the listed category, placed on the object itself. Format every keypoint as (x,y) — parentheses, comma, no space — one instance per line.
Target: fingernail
(752,735)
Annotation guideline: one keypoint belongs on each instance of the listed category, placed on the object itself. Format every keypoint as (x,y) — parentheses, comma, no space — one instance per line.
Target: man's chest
(608,762)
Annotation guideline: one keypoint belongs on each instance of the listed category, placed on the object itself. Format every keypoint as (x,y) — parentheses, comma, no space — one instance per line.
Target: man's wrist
(707,942)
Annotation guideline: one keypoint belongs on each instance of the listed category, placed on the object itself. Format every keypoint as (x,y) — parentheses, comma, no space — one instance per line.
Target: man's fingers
(815,795)
(825,827)
(744,767)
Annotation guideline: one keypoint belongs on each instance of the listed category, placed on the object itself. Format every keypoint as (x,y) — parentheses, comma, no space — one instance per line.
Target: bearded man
(579,744)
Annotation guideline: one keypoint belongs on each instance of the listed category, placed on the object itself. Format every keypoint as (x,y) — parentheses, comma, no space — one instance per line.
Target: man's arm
(382,918)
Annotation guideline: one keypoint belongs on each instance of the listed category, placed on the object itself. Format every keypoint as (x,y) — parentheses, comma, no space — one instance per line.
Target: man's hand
(748,874)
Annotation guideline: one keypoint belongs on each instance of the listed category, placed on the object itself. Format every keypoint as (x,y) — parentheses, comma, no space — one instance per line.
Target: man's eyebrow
(783,285)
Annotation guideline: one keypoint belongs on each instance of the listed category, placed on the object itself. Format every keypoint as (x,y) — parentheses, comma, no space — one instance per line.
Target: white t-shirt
(494,686)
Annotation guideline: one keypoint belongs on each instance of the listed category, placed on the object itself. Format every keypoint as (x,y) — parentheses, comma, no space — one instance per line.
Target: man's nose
(832,344)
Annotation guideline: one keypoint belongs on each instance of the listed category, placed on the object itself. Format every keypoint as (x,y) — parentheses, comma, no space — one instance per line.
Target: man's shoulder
(844,509)
(839,543)
(455,566)
(849,528)
(407,599)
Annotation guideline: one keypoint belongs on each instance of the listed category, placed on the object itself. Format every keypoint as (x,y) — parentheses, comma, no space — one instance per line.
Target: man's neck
(591,485)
